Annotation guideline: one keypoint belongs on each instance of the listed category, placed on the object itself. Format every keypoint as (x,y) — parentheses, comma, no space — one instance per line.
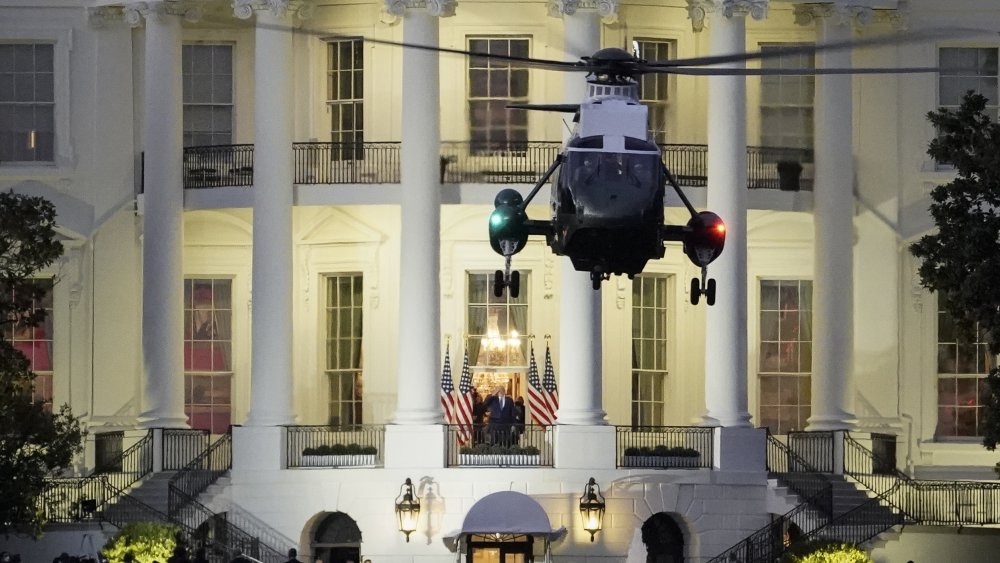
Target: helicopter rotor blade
(524,62)
(901,38)
(713,71)
(562,108)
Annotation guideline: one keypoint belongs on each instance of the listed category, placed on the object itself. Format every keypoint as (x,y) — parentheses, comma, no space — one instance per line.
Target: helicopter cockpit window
(614,169)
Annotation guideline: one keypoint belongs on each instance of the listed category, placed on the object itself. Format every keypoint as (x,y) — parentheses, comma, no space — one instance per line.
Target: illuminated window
(653,88)
(343,348)
(208,351)
(785,354)
(786,102)
(492,85)
(208,95)
(35,342)
(27,102)
(345,97)
(649,348)
(962,386)
(964,69)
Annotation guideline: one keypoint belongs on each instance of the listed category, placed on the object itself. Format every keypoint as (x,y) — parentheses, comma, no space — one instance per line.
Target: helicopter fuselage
(607,196)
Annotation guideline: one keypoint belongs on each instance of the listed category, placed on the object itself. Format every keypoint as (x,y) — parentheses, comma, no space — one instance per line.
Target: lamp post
(407,509)
(592,507)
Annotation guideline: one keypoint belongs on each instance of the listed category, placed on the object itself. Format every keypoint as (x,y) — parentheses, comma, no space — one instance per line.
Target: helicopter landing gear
(596,277)
(708,291)
(507,279)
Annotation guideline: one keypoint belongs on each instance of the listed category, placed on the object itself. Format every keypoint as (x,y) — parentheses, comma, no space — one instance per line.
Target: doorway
(500,548)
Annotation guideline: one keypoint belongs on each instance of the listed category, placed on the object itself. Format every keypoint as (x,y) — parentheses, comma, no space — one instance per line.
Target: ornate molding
(244,9)
(440,8)
(607,9)
(138,12)
(841,14)
(102,16)
(698,10)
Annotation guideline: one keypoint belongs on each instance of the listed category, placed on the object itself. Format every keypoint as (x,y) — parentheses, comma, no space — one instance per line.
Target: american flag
(463,403)
(447,389)
(549,383)
(540,413)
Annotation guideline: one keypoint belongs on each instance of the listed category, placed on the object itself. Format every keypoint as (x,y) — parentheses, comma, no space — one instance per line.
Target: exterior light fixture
(592,507)
(407,509)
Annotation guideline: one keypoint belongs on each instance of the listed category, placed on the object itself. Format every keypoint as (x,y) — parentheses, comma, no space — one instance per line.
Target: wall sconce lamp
(407,509)
(592,507)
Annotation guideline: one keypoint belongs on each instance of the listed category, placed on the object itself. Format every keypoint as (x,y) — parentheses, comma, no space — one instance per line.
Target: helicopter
(608,191)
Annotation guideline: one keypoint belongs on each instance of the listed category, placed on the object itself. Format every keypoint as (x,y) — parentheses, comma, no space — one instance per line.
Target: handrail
(181,445)
(806,482)
(664,446)
(223,533)
(205,469)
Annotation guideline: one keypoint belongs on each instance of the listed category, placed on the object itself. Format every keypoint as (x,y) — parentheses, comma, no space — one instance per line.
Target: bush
(147,541)
(662,451)
(826,551)
(341,449)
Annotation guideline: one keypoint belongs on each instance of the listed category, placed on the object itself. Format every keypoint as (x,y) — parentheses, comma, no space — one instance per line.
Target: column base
(581,417)
(153,419)
(268,420)
(259,448)
(585,447)
(740,449)
(420,417)
(415,446)
(827,422)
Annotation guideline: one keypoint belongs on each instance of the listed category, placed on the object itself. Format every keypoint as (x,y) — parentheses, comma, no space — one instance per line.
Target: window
(35,342)
(208,95)
(345,97)
(343,348)
(497,326)
(208,351)
(786,102)
(962,386)
(964,69)
(27,102)
(653,91)
(492,85)
(649,348)
(785,355)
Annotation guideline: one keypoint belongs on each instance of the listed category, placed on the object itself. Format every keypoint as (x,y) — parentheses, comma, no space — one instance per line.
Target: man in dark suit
(501,409)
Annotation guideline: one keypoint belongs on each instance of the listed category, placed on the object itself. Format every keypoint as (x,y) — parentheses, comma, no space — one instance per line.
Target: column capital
(439,8)
(607,9)
(244,9)
(136,13)
(698,10)
(101,16)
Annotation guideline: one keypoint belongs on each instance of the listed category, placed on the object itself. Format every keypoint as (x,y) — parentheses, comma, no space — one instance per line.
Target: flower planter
(514,460)
(669,461)
(358,460)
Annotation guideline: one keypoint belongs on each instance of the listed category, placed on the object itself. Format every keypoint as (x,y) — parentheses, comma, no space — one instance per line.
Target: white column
(271,330)
(726,324)
(163,224)
(833,216)
(420,231)
(580,390)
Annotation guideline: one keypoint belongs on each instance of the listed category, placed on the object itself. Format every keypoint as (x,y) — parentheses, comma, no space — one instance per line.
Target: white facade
(117,100)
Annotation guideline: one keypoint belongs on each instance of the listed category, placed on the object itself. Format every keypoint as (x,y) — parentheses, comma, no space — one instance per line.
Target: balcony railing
(466,162)
(664,447)
(514,445)
(336,446)
(181,446)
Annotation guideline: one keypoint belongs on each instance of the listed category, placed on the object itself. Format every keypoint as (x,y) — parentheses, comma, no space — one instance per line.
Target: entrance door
(500,548)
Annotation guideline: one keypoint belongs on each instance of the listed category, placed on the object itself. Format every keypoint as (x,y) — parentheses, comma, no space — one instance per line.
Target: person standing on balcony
(501,409)
(519,413)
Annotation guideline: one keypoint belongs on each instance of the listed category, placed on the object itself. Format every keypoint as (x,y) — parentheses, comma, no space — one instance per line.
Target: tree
(34,442)
(961,261)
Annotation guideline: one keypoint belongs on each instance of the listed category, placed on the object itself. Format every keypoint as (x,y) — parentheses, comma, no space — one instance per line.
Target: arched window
(337,539)
(663,538)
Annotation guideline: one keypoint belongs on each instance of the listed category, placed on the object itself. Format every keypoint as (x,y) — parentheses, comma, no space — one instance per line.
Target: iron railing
(814,447)
(201,472)
(218,165)
(346,163)
(180,446)
(359,445)
(461,162)
(799,476)
(664,447)
(514,445)
(73,499)
(221,535)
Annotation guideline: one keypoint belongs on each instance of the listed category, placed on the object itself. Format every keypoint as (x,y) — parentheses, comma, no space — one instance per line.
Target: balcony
(464,163)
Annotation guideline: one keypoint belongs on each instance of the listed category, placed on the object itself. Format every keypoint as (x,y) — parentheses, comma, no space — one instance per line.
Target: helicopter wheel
(695,291)
(595,279)
(514,284)
(498,283)
(710,293)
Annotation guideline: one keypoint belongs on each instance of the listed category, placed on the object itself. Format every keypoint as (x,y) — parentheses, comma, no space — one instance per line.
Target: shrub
(147,541)
(341,449)
(662,451)
(826,551)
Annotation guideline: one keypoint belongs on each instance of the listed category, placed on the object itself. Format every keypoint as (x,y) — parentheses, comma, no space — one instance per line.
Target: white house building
(276,227)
